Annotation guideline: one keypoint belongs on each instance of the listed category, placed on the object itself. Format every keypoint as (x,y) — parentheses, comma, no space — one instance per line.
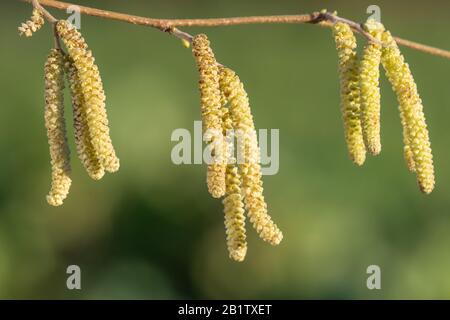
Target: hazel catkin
(94,96)
(85,149)
(34,24)
(249,166)
(350,91)
(56,128)
(370,90)
(416,136)
(234,215)
(211,113)
(233,205)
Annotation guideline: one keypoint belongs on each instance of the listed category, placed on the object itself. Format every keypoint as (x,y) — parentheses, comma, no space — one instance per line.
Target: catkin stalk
(56,128)
(249,166)
(370,90)
(415,129)
(94,96)
(350,91)
(211,113)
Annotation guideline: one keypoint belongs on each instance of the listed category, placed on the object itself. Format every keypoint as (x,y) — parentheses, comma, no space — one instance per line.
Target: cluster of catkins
(225,107)
(360,99)
(93,143)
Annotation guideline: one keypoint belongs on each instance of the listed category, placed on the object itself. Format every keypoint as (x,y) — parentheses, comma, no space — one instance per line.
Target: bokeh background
(151,231)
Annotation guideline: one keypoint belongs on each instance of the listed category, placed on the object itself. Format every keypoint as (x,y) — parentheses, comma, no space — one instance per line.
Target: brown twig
(171,25)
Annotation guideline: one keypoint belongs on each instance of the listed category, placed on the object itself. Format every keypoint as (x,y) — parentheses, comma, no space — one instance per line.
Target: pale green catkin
(233,205)
(211,113)
(233,208)
(85,149)
(350,91)
(94,96)
(250,168)
(34,24)
(370,90)
(416,136)
(56,128)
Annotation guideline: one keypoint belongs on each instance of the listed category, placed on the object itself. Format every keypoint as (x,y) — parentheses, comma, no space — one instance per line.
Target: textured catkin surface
(211,113)
(233,203)
(370,90)
(249,166)
(416,137)
(234,215)
(94,96)
(56,128)
(350,91)
(34,24)
(85,149)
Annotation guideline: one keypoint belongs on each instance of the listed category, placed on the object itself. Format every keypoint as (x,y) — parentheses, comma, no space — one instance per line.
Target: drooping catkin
(211,113)
(370,90)
(350,91)
(85,149)
(233,208)
(94,96)
(56,128)
(233,205)
(34,24)
(249,166)
(411,112)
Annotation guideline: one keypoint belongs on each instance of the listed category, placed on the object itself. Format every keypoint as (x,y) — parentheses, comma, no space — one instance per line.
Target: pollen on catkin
(211,113)
(233,208)
(249,166)
(411,112)
(233,205)
(407,152)
(34,24)
(56,128)
(350,91)
(94,96)
(370,90)
(85,149)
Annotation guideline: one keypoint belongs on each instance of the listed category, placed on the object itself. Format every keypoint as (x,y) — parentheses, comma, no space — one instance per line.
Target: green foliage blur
(151,231)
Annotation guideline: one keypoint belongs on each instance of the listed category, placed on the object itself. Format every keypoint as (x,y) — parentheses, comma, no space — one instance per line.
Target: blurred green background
(151,231)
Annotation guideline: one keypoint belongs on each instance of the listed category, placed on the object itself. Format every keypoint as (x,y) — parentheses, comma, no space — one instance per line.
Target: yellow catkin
(249,166)
(370,90)
(94,96)
(34,24)
(56,128)
(407,152)
(85,149)
(233,208)
(233,205)
(211,113)
(411,112)
(350,91)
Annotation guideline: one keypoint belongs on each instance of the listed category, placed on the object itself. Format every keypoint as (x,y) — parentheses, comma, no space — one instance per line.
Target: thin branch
(171,25)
